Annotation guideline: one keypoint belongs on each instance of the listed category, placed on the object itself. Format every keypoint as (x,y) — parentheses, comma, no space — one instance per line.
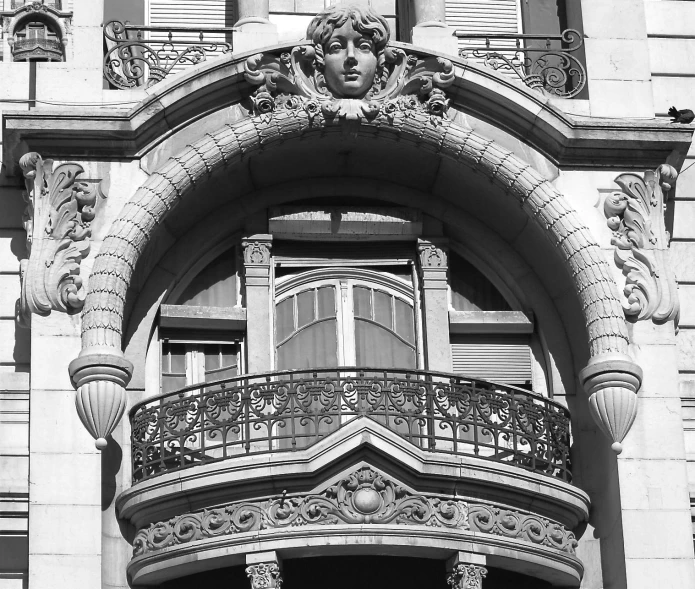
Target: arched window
(36,40)
(200,340)
(347,317)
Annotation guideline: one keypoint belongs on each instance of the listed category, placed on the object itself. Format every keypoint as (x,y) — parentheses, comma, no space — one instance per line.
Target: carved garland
(101,372)
(364,497)
(57,221)
(636,217)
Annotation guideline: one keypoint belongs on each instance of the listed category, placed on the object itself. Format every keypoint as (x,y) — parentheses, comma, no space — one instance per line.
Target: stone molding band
(102,318)
(362,498)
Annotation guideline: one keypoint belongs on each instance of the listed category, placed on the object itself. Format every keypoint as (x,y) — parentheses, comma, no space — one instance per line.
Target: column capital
(264,570)
(466,576)
(256,249)
(433,252)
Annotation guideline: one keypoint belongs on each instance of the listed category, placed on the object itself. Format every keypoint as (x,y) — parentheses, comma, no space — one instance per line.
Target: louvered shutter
(484,17)
(190,13)
(496,357)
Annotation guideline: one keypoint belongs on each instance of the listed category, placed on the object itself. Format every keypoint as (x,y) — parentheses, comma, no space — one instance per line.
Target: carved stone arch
(101,372)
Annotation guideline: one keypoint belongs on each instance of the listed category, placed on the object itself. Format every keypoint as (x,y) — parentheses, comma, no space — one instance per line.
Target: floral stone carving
(349,74)
(363,497)
(466,576)
(636,217)
(265,575)
(58,224)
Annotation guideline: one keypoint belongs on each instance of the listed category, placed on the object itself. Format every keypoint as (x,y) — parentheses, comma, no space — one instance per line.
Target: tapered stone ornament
(612,382)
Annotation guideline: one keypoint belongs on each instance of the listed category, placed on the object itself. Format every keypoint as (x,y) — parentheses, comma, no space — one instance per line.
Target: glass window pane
(313,347)
(174,358)
(382,309)
(378,348)
(326,301)
(172,383)
(363,302)
(405,321)
(284,318)
(305,308)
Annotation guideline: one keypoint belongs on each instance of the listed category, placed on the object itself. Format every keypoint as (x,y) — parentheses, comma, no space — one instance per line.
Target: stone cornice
(567,140)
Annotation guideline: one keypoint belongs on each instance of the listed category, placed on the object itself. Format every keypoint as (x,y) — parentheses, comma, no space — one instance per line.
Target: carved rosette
(404,85)
(364,497)
(265,575)
(57,221)
(467,576)
(636,217)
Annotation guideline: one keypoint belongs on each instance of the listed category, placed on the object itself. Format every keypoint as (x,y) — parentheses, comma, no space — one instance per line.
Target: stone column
(264,570)
(433,266)
(255,29)
(466,571)
(431,30)
(256,250)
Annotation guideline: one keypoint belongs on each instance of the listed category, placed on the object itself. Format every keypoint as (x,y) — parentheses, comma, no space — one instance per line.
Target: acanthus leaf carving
(57,221)
(388,84)
(636,217)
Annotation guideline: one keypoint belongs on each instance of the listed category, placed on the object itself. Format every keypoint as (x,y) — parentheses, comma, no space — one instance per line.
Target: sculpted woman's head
(349,41)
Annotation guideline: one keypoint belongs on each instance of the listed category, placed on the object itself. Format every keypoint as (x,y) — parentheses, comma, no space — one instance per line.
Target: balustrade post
(430,30)
(433,267)
(256,250)
(466,570)
(255,29)
(264,570)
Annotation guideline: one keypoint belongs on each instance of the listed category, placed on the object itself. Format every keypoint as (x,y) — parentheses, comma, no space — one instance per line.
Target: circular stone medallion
(366,500)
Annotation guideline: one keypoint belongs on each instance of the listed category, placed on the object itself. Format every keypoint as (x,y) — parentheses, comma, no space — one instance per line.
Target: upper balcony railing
(548,63)
(142,56)
(292,410)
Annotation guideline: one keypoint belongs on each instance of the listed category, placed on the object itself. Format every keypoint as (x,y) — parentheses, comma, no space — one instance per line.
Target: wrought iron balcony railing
(142,56)
(288,411)
(35,48)
(546,63)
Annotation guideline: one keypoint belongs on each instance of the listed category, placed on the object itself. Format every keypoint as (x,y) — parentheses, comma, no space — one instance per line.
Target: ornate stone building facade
(392,294)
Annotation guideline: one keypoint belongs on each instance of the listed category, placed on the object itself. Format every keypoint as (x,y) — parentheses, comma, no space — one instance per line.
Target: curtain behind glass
(307,338)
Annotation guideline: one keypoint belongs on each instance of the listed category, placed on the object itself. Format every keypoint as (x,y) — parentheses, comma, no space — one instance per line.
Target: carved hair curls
(364,20)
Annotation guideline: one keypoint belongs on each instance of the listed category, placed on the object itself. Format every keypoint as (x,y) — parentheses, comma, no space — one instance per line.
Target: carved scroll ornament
(636,217)
(359,79)
(362,498)
(57,221)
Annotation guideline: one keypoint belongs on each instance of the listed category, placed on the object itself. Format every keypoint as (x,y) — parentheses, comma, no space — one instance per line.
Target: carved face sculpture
(350,62)
(348,42)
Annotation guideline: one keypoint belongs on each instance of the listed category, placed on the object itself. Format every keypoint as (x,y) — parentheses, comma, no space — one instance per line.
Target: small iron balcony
(37,48)
(292,410)
(550,63)
(142,56)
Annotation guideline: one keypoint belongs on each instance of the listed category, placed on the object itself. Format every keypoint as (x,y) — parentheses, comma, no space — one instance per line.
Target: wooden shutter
(190,13)
(484,17)
(497,357)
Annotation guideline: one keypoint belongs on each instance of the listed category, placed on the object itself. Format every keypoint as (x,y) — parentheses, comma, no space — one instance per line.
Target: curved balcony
(37,48)
(293,410)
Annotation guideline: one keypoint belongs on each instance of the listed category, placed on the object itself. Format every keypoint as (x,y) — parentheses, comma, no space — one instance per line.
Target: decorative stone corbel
(612,382)
(58,224)
(636,217)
